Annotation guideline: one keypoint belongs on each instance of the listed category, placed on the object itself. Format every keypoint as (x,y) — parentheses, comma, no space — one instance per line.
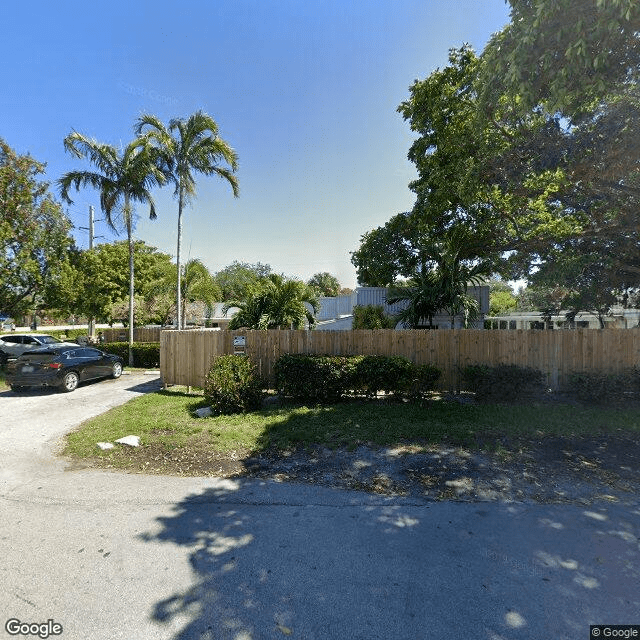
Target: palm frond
(103,156)
(149,121)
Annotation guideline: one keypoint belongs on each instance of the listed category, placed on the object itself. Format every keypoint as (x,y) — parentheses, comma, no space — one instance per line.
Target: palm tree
(197,284)
(122,178)
(185,147)
(423,296)
(276,303)
(456,269)
(448,268)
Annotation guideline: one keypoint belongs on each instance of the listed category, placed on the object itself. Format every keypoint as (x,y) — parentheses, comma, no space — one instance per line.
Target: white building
(618,318)
(337,313)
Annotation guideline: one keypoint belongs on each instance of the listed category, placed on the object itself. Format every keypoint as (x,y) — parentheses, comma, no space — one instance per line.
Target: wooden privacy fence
(140,334)
(186,356)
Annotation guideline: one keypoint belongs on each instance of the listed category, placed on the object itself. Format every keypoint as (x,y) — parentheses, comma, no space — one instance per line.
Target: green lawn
(166,425)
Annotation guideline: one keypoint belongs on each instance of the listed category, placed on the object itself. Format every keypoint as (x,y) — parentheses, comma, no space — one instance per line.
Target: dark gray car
(61,367)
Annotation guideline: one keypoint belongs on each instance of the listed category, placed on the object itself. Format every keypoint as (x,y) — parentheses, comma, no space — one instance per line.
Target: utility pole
(92,324)
(91,236)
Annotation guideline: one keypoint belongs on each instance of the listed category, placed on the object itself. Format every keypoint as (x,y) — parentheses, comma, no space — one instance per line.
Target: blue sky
(305,91)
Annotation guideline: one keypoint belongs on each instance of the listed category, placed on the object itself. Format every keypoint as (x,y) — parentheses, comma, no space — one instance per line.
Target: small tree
(424,298)
(197,285)
(372,316)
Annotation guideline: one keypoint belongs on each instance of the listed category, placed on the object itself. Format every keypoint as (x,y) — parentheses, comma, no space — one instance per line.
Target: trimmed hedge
(505,382)
(233,386)
(598,387)
(313,378)
(381,373)
(145,354)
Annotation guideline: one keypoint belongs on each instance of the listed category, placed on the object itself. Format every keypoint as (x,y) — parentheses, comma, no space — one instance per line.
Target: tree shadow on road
(273,560)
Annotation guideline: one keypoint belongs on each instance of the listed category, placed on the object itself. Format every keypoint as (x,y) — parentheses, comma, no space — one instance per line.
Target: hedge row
(232,384)
(597,387)
(507,383)
(328,378)
(68,335)
(145,354)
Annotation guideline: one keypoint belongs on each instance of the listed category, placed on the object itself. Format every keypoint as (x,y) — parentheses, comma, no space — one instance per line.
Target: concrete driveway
(109,556)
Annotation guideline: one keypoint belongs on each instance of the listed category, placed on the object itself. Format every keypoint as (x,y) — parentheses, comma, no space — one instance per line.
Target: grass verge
(175,441)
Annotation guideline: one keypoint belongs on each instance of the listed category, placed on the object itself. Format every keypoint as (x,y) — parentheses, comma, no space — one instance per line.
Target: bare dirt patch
(550,470)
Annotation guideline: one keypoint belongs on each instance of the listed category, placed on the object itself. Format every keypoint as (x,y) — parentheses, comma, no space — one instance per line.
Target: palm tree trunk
(178,288)
(131,283)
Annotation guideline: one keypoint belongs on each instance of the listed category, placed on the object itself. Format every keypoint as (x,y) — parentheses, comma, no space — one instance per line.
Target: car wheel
(116,370)
(70,381)
(17,388)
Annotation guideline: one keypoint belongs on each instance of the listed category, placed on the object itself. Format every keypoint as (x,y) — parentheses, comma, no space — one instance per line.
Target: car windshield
(49,340)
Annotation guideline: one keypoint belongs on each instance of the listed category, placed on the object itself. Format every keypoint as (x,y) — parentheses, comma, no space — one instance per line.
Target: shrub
(393,374)
(424,380)
(145,354)
(232,385)
(314,378)
(598,387)
(505,382)
(372,316)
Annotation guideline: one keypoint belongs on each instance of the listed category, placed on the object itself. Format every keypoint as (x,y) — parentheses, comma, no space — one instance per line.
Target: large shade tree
(122,178)
(238,278)
(186,147)
(532,147)
(34,238)
(574,66)
(102,288)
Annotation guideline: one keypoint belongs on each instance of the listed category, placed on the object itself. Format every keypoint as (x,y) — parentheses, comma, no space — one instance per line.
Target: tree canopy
(572,68)
(102,284)
(237,279)
(531,148)
(34,238)
(325,284)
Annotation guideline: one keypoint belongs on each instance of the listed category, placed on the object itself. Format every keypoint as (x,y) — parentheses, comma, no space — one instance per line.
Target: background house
(337,313)
(218,319)
(618,318)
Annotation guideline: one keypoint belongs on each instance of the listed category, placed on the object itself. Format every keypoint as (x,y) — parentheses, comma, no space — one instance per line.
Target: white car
(13,345)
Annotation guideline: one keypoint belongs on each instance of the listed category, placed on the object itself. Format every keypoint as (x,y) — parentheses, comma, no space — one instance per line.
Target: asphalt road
(110,555)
